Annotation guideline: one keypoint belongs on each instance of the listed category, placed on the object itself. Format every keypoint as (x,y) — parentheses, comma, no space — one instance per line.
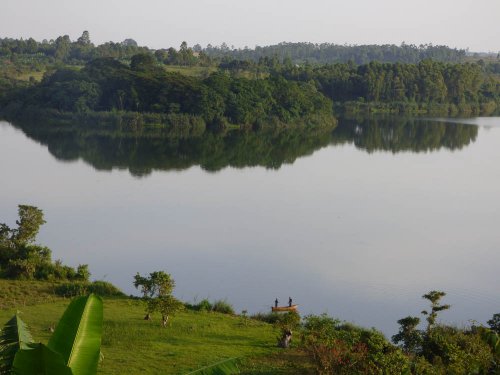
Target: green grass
(192,71)
(202,71)
(25,76)
(18,293)
(193,339)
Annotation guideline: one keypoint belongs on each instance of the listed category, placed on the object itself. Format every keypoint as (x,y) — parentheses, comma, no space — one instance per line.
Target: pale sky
(165,23)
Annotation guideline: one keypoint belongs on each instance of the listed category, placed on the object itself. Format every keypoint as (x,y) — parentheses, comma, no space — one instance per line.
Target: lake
(358,222)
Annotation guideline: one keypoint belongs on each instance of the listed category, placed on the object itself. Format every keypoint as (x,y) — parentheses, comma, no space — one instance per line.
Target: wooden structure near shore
(284,308)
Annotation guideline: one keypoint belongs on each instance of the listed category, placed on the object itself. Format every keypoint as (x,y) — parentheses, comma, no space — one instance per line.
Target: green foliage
(107,85)
(456,351)
(29,223)
(271,317)
(78,335)
(222,306)
(219,306)
(287,321)
(14,336)
(40,360)
(494,323)
(324,53)
(100,288)
(409,335)
(346,349)
(16,293)
(434,297)
(203,305)
(131,345)
(167,305)
(74,348)
(427,86)
(443,349)
(157,294)
(20,258)
(225,367)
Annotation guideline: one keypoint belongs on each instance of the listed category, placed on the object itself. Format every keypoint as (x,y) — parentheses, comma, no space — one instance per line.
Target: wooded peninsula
(219,87)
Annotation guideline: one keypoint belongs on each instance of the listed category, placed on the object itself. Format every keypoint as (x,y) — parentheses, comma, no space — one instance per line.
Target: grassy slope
(192,71)
(131,345)
(15,294)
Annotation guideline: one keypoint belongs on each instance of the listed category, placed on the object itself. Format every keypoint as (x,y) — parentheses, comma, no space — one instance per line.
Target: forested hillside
(325,53)
(221,86)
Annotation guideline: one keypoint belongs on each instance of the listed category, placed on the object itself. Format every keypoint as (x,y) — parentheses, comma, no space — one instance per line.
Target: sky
(161,23)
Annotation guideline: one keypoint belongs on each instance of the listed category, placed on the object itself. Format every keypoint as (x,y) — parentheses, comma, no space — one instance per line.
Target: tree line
(424,82)
(106,84)
(325,53)
(83,50)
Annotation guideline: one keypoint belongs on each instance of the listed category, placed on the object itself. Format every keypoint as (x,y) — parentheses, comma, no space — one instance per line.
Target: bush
(457,351)
(204,305)
(101,288)
(340,348)
(222,306)
(270,318)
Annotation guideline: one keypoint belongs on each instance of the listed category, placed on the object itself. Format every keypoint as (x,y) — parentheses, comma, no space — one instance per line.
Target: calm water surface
(358,223)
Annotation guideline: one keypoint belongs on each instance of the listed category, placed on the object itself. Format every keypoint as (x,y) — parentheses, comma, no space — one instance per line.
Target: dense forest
(326,53)
(212,87)
(83,50)
(458,87)
(106,84)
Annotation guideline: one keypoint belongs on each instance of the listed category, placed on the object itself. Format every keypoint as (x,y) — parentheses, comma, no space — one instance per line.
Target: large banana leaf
(226,367)
(78,335)
(39,360)
(14,336)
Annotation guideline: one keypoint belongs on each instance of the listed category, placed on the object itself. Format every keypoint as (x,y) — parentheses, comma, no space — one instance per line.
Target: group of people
(289,302)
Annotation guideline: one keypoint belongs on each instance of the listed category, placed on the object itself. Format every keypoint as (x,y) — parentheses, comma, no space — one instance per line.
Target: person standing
(276,303)
(289,301)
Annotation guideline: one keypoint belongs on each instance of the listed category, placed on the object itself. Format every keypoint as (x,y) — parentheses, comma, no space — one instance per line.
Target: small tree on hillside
(409,335)
(494,323)
(157,294)
(20,257)
(147,291)
(434,297)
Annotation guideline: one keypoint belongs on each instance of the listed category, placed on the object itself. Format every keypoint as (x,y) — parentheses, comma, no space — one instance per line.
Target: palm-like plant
(73,349)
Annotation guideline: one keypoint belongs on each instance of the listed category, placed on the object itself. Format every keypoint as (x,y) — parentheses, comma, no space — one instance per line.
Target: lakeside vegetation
(207,332)
(321,344)
(167,109)
(217,88)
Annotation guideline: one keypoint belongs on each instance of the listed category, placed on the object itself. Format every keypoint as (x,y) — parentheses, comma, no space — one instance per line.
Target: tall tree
(434,297)
(84,40)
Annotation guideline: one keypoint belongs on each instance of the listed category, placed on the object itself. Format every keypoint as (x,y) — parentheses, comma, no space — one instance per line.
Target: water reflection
(400,134)
(141,153)
(349,231)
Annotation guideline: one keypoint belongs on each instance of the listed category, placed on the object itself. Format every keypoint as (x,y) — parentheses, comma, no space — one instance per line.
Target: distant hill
(325,53)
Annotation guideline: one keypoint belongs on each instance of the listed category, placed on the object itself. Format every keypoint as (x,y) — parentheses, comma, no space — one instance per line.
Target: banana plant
(73,349)
(225,367)
(13,337)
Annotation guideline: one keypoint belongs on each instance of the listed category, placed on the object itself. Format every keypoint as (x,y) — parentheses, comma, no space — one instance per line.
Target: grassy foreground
(131,345)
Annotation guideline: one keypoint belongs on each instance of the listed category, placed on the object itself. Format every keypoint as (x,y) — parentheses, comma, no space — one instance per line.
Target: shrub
(347,349)
(270,318)
(457,351)
(222,306)
(203,305)
(101,288)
